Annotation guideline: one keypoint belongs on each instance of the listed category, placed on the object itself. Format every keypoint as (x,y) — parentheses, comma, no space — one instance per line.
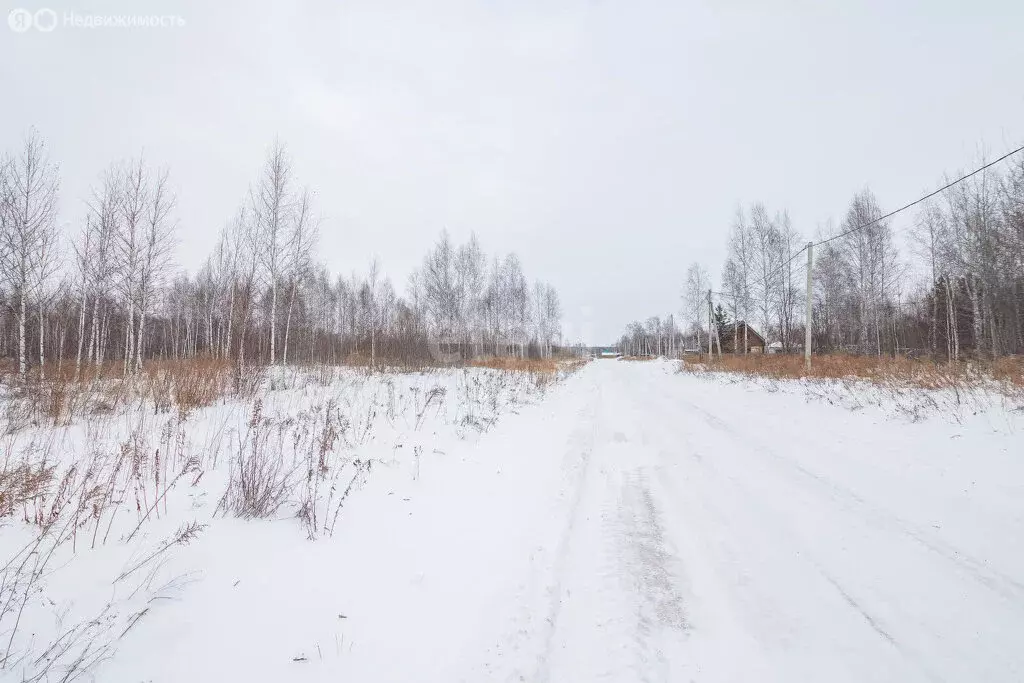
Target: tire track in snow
(788,571)
(518,623)
(587,435)
(605,603)
(978,570)
(522,648)
(623,617)
(643,534)
(645,563)
(746,445)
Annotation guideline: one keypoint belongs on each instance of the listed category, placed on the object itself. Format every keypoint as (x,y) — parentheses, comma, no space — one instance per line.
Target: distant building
(777,347)
(744,333)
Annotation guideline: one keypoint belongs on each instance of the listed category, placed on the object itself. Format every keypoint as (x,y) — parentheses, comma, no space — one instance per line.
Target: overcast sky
(607,142)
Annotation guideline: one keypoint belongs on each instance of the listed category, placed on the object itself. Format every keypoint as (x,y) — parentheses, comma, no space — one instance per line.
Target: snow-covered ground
(629,523)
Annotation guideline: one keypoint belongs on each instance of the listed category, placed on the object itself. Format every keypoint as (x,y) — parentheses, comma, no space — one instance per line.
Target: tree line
(107,292)
(653,337)
(957,291)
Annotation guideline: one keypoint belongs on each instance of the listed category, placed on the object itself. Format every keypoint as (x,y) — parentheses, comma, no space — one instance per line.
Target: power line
(772,274)
(811,245)
(924,198)
(890,214)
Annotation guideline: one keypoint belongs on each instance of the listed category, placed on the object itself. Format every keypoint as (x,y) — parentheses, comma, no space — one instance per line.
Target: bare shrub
(306,460)
(260,481)
(331,469)
(318,463)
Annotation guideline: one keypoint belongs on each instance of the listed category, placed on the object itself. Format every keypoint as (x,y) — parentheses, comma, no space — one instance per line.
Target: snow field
(142,512)
(630,523)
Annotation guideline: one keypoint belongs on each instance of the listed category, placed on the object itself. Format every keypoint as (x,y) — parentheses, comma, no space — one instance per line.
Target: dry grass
(72,503)
(571,365)
(59,398)
(22,483)
(1009,369)
(182,385)
(130,469)
(362,360)
(187,386)
(926,374)
(108,487)
(511,363)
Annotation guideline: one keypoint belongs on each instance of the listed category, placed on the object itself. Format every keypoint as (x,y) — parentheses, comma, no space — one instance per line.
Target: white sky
(607,142)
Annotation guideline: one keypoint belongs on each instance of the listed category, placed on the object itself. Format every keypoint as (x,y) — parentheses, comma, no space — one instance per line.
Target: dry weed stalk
(260,481)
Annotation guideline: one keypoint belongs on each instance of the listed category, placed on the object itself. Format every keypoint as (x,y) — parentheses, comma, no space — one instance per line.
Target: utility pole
(735,325)
(808,316)
(711,322)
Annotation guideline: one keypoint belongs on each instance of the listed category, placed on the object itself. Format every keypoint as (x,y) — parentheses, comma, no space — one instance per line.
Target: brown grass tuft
(189,385)
(23,483)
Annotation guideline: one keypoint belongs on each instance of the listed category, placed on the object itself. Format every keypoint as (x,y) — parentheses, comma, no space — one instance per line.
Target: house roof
(728,329)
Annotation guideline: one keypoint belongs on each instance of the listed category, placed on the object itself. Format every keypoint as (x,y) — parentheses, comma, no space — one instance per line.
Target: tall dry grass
(511,363)
(60,398)
(1007,372)
(102,491)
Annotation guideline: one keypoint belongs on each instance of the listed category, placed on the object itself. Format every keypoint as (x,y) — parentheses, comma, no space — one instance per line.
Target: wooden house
(746,334)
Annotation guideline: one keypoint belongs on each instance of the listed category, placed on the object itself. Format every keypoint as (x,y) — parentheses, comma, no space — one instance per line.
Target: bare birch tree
(28,191)
(695,298)
(271,212)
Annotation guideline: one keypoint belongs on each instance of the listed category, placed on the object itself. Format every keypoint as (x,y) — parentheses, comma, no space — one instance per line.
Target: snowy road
(722,533)
(635,525)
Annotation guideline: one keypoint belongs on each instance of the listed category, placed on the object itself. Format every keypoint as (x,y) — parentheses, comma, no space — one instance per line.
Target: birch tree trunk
(288,325)
(273,321)
(42,351)
(81,336)
(138,339)
(22,359)
(231,318)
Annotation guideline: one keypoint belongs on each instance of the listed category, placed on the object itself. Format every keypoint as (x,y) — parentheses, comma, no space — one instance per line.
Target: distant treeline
(109,292)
